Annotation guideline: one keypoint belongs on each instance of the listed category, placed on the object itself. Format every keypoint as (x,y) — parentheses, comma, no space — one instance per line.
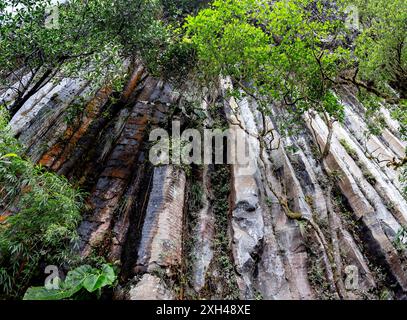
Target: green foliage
(280,49)
(349,150)
(400,113)
(195,197)
(176,10)
(331,105)
(403,179)
(381,48)
(39,213)
(381,59)
(400,241)
(90,39)
(82,278)
(178,59)
(220,178)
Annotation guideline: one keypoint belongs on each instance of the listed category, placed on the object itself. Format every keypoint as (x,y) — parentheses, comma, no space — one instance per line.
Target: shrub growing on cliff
(39,215)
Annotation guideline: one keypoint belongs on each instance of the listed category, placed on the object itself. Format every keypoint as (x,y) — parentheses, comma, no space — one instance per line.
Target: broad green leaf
(83,277)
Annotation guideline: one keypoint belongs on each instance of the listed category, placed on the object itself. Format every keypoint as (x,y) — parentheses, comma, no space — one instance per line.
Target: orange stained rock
(49,157)
(58,154)
(52,154)
(4,216)
(133,82)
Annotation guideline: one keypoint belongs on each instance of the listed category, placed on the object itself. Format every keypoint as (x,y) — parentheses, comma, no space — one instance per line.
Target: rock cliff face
(297,227)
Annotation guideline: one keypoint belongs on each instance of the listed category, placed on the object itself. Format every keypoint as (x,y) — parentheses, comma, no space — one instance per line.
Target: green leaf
(109,273)
(83,277)
(91,282)
(41,293)
(9,155)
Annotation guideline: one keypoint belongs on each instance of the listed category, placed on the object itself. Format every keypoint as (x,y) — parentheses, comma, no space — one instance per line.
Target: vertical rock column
(202,252)
(247,215)
(278,179)
(160,249)
(58,154)
(204,233)
(119,168)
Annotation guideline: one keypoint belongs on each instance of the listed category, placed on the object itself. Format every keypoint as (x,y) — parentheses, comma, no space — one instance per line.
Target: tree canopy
(89,39)
(299,50)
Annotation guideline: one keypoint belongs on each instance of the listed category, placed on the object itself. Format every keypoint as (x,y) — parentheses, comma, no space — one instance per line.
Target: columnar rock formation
(296,227)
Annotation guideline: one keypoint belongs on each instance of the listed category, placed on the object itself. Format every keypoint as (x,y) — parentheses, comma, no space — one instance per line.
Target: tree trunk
(329,139)
(23,98)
